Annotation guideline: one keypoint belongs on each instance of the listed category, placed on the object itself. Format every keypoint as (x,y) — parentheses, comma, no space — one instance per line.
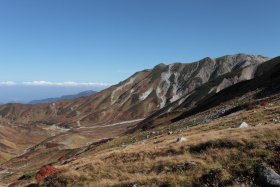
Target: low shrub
(27,176)
(213,144)
(44,172)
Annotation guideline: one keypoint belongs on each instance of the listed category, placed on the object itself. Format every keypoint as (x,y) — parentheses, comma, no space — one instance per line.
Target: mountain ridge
(65,97)
(138,96)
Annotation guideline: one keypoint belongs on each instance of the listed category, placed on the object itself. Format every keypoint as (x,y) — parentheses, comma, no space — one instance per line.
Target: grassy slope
(223,155)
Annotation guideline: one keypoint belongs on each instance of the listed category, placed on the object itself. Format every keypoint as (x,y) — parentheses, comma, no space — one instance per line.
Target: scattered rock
(180,166)
(275,120)
(78,123)
(242,125)
(259,124)
(69,160)
(184,166)
(181,139)
(133,139)
(267,176)
(170,132)
(157,141)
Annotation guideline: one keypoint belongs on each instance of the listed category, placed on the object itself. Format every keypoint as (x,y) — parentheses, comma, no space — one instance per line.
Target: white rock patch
(242,125)
(146,94)
(113,99)
(175,94)
(181,139)
(248,73)
(78,123)
(164,86)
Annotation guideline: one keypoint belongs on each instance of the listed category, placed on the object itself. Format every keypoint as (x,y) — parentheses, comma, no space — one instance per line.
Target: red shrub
(44,172)
(264,103)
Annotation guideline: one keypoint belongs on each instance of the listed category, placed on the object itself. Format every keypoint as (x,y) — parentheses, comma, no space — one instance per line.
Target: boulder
(242,125)
(184,166)
(123,145)
(143,142)
(274,120)
(267,176)
(181,139)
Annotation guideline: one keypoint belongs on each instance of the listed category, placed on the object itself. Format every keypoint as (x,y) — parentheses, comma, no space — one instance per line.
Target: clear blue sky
(108,40)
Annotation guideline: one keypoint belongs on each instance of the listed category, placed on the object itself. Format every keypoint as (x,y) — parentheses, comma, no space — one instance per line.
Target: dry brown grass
(153,164)
(224,156)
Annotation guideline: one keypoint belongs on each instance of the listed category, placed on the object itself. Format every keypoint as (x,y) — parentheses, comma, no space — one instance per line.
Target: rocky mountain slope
(179,148)
(203,98)
(140,95)
(167,98)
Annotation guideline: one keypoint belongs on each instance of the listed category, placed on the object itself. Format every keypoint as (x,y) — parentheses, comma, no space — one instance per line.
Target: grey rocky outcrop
(267,176)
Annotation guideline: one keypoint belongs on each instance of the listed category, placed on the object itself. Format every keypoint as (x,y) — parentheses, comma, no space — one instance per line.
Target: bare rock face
(267,176)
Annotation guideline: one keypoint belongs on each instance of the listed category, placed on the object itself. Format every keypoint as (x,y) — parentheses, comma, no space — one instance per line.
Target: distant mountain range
(65,97)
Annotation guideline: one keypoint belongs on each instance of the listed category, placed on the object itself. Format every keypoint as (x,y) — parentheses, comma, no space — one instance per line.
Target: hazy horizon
(26,93)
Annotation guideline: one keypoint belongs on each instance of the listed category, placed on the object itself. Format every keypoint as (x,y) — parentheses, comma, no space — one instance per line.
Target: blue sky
(105,41)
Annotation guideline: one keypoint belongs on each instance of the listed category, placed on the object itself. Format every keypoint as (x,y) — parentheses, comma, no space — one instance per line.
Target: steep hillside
(203,98)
